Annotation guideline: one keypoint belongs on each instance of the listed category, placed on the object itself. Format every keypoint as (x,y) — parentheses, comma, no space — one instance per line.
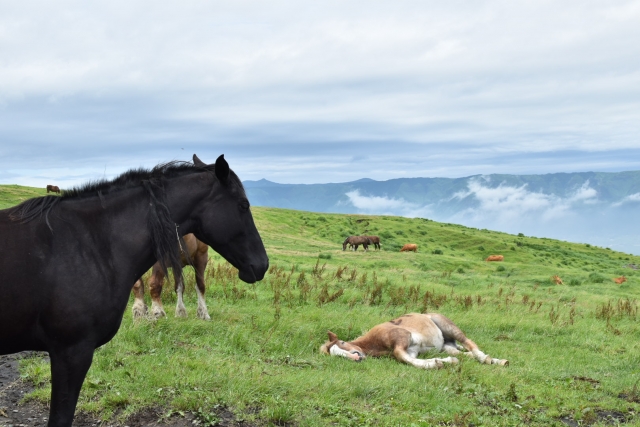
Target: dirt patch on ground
(35,414)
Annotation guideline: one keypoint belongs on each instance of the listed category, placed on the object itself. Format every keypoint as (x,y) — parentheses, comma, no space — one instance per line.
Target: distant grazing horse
(68,261)
(355,241)
(53,189)
(375,240)
(557,280)
(409,247)
(620,280)
(495,258)
(193,252)
(408,336)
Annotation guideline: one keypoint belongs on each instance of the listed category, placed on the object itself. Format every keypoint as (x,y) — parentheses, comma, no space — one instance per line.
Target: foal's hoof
(501,362)
(181,313)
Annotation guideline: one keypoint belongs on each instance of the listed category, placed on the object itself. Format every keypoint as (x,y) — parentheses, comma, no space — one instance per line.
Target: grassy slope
(573,348)
(11,195)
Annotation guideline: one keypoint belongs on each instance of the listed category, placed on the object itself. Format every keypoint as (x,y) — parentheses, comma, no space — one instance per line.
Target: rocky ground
(13,413)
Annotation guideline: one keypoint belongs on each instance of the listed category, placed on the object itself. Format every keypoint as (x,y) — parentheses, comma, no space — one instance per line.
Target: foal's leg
(452,333)
(200,265)
(69,367)
(155,289)
(139,308)
(403,354)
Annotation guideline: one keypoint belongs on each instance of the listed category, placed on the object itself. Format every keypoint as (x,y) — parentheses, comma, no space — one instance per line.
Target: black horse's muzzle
(253,273)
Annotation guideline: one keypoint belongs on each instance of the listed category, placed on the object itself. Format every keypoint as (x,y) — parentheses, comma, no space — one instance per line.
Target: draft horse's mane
(161,227)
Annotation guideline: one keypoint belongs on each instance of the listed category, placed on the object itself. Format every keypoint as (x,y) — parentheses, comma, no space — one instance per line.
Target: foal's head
(337,347)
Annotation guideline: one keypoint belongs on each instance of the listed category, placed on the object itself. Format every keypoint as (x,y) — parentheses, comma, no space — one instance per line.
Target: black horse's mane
(161,227)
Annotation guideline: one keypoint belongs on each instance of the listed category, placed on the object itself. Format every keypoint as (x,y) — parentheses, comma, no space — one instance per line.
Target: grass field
(574,348)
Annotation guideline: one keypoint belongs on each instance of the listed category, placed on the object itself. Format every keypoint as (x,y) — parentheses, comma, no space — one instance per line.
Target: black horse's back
(69,261)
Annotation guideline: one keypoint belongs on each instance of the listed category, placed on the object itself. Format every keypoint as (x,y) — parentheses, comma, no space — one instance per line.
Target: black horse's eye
(244,205)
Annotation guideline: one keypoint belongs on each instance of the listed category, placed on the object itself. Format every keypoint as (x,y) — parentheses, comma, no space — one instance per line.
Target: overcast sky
(315,92)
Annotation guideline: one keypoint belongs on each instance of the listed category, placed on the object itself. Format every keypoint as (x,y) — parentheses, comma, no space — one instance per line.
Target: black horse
(68,261)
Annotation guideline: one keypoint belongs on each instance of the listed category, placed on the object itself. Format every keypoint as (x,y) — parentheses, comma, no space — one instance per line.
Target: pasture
(574,349)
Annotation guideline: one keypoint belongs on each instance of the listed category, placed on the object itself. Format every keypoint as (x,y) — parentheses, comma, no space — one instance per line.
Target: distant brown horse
(53,189)
(355,241)
(375,241)
(495,258)
(409,247)
(198,253)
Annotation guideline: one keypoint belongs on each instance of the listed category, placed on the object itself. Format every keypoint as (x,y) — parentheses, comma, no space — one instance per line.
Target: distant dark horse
(68,262)
(375,241)
(355,241)
(53,189)
(194,253)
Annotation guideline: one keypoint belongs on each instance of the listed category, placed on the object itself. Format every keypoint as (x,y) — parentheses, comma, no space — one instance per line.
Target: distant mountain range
(589,207)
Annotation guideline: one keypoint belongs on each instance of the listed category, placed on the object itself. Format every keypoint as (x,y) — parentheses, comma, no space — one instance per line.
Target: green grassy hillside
(11,195)
(573,348)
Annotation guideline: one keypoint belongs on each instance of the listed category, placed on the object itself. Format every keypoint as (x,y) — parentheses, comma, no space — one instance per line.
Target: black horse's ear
(222,169)
(198,162)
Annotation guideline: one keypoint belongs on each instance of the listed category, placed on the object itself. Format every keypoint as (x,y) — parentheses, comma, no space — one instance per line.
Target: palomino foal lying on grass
(408,336)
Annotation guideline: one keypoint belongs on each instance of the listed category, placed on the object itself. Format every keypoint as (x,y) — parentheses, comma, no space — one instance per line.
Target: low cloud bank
(510,205)
(377,205)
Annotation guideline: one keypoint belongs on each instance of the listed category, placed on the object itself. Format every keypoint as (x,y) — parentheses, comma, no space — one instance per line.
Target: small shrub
(520,235)
(399,233)
(437,252)
(460,270)
(500,268)
(481,248)
(324,256)
(574,282)
(596,278)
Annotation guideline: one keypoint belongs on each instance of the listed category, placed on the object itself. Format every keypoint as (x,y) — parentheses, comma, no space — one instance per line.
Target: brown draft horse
(53,189)
(194,253)
(408,336)
(355,241)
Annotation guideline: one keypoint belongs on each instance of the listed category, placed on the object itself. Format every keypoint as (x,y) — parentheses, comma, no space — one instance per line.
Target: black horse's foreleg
(69,366)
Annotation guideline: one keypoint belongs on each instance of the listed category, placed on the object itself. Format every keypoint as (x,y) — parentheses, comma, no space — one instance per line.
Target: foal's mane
(161,227)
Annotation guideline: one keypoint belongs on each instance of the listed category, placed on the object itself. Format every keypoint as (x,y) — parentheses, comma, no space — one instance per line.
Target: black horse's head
(225,223)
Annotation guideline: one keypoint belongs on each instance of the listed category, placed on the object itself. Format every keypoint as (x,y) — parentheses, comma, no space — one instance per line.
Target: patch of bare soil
(600,416)
(35,414)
